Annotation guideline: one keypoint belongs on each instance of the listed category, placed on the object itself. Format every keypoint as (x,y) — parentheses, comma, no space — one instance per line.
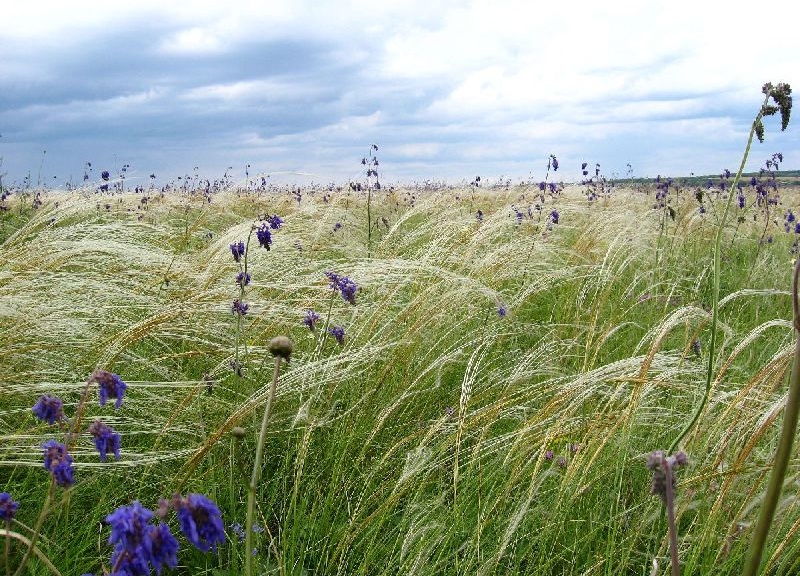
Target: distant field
(503,374)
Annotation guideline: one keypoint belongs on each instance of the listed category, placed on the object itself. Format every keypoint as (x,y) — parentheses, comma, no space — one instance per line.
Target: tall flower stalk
(281,348)
(781,95)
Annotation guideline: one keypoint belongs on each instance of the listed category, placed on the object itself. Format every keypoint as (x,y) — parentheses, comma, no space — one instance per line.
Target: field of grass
(490,410)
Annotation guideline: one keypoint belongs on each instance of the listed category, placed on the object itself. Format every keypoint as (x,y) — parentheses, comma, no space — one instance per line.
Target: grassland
(441,437)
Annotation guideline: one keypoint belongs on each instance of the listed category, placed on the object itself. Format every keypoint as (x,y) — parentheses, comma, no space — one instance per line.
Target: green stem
(8,546)
(715,296)
(784,451)
(37,527)
(673,530)
(251,493)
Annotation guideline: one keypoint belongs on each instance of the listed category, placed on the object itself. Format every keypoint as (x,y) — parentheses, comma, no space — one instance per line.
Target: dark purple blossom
(58,462)
(311,319)
(239,307)
(338,333)
(111,386)
(342,284)
(8,508)
(237,250)
(138,544)
(479,216)
(554,216)
(275,221)
(50,409)
(105,439)
(502,310)
(243,278)
(264,235)
(200,520)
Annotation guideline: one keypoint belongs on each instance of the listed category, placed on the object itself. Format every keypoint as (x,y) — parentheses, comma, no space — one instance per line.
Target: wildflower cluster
(140,545)
(597,186)
(263,230)
(50,409)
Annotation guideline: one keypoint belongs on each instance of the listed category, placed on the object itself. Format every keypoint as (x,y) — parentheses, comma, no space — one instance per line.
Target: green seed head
(238,432)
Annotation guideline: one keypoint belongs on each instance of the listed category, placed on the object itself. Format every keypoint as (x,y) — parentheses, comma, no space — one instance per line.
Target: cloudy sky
(447,89)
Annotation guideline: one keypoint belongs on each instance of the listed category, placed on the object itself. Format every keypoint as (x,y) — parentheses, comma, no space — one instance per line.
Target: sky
(448,90)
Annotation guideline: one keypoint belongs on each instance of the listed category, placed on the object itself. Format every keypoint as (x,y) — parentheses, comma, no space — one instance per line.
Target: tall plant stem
(673,529)
(715,295)
(251,492)
(37,527)
(784,451)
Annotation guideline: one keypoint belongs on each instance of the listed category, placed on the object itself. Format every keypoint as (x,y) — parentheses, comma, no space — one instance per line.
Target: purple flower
(105,439)
(337,226)
(549,455)
(49,408)
(311,319)
(275,221)
(502,311)
(554,216)
(238,530)
(656,463)
(338,333)
(554,162)
(243,278)
(139,543)
(239,307)
(200,520)
(8,508)
(237,250)
(479,216)
(264,235)
(343,285)
(111,386)
(58,462)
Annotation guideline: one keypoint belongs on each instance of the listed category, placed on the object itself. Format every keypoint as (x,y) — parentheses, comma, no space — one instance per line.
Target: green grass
(418,446)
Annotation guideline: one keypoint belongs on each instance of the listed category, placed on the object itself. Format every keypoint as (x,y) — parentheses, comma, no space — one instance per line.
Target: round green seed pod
(238,432)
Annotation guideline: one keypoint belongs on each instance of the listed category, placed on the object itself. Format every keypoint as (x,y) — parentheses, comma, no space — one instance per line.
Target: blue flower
(338,333)
(502,310)
(243,278)
(275,221)
(105,439)
(8,508)
(237,249)
(111,386)
(201,521)
(58,462)
(49,408)
(139,543)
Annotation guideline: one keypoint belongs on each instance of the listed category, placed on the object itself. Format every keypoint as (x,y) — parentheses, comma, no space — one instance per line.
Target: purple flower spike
(342,284)
(264,235)
(58,462)
(105,439)
(111,386)
(311,319)
(338,333)
(237,250)
(50,409)
(275,221)
(8,508)
(200,520)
